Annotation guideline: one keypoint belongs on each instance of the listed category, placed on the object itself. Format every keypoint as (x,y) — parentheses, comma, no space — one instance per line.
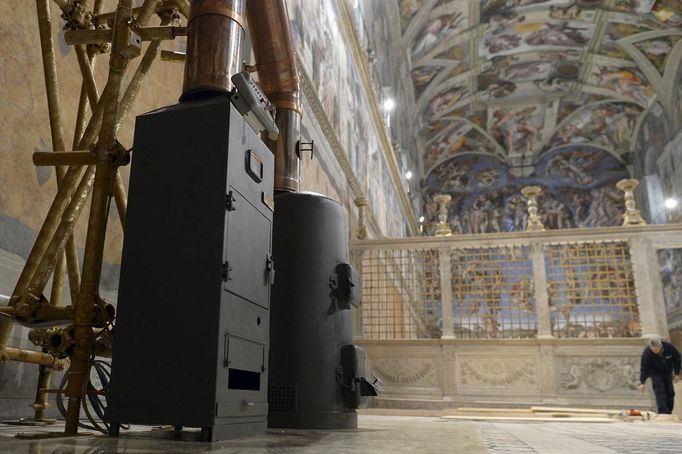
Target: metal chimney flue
(215,41)
(278,77)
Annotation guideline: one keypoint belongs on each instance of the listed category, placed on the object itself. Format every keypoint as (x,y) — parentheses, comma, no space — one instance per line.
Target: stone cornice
(337,149)
(661,236)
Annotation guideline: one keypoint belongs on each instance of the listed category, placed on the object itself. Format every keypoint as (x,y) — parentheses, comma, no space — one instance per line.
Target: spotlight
(670,203)
(408,175)
(389,104)
(421,219)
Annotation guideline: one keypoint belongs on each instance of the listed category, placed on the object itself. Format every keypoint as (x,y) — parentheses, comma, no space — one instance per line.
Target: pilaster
(446,293)
(540,288)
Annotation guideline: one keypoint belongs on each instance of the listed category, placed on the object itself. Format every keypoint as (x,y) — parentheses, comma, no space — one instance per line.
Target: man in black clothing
(660,361)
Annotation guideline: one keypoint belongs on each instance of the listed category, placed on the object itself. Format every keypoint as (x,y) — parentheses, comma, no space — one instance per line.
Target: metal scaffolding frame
(81,331)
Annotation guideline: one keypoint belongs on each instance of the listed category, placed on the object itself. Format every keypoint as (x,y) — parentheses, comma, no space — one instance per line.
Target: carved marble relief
(603,375)
(514,372)
(406,371)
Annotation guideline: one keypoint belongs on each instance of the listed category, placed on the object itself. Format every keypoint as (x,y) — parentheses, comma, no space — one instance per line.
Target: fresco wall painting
(670,266)
(669,169)
(329,63)
(578,184)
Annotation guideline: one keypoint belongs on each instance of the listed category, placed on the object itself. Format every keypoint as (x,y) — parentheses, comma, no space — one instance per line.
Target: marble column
(648,288)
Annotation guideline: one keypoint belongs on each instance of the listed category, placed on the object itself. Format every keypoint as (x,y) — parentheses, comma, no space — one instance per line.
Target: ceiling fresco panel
(609,125)
(444,23)
(518,129)
(422,77)
(498,10)
(539,92)
(459,52)
(454,127)
(523,37)
(657,50)
(616,31)
(435,128)
(637,6)
(446,101)
(408,9)
(668,12)
(461,137)
(570,105)
(478,117)
(624,26)
(625,79)
(529,74)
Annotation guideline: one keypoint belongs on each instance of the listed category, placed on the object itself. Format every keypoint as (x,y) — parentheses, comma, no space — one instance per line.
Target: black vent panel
(282,398)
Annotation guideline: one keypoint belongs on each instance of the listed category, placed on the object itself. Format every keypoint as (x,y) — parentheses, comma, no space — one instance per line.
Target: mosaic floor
(556,438)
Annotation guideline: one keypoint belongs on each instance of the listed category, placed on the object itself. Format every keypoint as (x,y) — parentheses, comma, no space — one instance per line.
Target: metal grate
(281,398)
(401,294)
(492,292)
(591,290)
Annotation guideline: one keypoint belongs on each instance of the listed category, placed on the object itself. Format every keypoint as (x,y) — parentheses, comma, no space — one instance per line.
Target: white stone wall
(456,373)
(595,372)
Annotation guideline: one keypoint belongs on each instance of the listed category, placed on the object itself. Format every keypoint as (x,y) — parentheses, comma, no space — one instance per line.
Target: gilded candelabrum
(442,228)
(534,223)
(632,215)
(362,204)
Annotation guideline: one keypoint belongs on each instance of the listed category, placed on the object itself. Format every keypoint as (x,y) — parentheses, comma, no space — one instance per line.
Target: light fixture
(670,203)
(389,104)
(408,174)
(421,219)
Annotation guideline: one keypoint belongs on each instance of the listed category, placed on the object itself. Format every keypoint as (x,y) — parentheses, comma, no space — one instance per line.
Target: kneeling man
(660,361)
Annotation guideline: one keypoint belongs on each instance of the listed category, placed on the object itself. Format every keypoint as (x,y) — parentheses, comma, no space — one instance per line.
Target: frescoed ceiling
(504,88)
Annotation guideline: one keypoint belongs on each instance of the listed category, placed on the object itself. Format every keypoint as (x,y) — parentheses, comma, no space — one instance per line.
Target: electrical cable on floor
(94,398)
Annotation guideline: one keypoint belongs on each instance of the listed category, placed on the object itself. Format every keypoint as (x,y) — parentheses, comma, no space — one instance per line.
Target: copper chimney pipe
(278,78)
(215,41)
